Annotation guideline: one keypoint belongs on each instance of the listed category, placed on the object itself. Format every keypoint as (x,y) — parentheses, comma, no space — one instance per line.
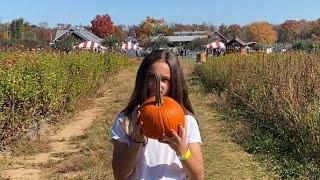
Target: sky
(129,12)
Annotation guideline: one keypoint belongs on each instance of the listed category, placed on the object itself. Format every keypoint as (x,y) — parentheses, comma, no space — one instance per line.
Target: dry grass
(223,158)
(279,95)
(94,159)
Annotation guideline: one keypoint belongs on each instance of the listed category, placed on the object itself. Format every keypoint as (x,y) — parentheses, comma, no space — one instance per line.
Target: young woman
(137,157)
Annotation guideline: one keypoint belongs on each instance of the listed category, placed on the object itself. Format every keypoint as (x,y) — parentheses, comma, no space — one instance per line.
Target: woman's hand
(135,127)
(178,140)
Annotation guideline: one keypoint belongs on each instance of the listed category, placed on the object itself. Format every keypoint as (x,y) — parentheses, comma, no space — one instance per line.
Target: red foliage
(102,26)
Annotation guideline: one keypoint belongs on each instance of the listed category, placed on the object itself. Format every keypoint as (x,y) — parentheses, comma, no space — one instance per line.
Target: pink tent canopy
(130,45)
(215,45)
(91,45)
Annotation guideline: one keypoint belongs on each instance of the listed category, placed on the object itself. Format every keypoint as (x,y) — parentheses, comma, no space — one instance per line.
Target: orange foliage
(262,32)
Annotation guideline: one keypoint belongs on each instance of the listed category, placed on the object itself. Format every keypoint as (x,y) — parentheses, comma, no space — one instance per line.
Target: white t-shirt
(157,160)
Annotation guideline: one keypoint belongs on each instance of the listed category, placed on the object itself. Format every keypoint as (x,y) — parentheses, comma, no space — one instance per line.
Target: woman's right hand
(135,126)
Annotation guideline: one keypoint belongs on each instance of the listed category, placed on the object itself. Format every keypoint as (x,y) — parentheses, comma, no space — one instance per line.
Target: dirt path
(58,143)
(223,158)
(89,157)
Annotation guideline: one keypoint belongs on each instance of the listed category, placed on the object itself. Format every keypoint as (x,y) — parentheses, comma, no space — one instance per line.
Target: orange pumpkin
(161,114)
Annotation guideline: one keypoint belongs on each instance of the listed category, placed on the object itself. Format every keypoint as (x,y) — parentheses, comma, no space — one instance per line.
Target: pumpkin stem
(158,95)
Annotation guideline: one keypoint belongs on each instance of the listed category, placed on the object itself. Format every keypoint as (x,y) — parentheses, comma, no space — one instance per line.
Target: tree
(65,44)
(315,27)
(223,29)
(181,27)
(120,33)
(113,42)
(4,36)
(289,31)
(234,31)
(63,26)
(306,45)
(262,32)
(197,43)
(160,42)
(305,31)
(17,28)
(102,26)
(134,30)
(153,27)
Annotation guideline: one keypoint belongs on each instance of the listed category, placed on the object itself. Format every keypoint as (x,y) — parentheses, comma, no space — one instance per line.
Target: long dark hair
(178,89)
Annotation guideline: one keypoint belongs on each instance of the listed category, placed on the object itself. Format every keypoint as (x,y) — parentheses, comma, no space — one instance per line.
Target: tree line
(20,33)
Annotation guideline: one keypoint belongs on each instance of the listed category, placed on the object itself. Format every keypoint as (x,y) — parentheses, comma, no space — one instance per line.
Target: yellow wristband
(186,155)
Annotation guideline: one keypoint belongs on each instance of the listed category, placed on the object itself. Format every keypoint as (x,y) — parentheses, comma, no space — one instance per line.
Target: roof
(181,33)
(83,33)
(131,38)
(236,40)
(219,34)
(180,38)
(251,43)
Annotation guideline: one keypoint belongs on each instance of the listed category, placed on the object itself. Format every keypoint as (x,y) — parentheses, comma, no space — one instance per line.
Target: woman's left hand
(178,140)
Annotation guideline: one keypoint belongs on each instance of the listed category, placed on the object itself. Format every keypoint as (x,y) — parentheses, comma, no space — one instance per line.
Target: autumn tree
(153,27)
(262,32)
(4,36)
(315,27)
(118,37)
(223,29)
(234,31)
(193,27)
(181,27)
(102,26)
(120,33)
(134,30)
(305,29)
(289,31)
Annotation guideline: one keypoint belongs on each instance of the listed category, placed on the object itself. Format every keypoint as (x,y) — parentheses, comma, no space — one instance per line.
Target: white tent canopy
(90,45)
(216,45)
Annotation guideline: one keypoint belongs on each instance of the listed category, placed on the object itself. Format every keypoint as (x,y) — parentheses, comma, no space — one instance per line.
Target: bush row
(35,86)
(280,92)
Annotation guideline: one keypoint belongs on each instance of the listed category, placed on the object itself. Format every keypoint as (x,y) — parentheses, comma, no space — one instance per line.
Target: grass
(94,159)
(223,158)
(268,106)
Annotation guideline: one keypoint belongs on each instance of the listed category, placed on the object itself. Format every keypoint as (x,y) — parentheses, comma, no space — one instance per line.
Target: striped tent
(129,45)
(216,45)
(90,45)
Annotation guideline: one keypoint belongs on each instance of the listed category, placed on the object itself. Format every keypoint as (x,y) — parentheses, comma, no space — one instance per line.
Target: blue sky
(129,12)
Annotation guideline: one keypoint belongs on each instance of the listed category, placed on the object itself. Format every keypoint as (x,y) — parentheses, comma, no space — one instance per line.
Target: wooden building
(236,45)
(80,34)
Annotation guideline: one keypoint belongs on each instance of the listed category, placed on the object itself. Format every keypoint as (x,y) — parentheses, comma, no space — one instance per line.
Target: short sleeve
(117,131)
(193,132)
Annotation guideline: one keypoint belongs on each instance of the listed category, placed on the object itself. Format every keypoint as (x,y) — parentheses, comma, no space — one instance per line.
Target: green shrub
(279,92)
(33,86)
